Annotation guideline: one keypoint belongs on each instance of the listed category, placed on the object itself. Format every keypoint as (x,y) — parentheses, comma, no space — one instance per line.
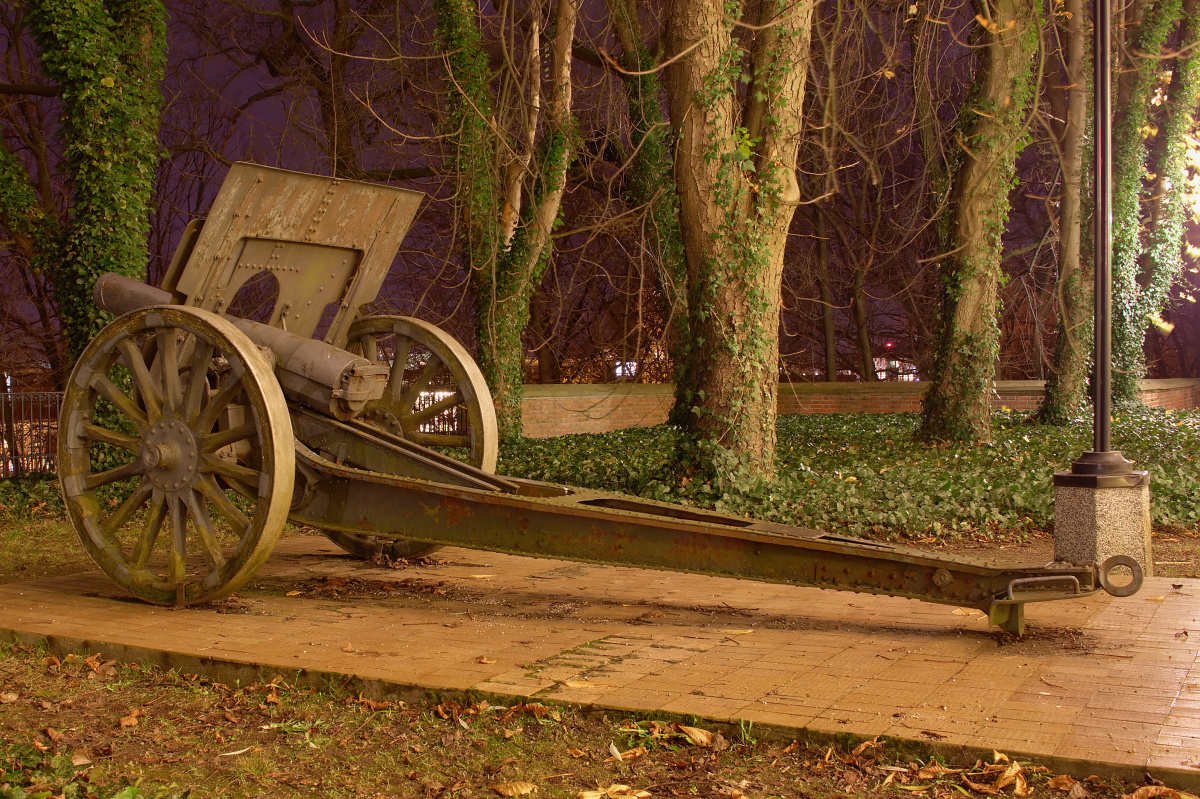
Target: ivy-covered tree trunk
(651,181)
(107,59)
(1163,260)
(1132,307)
(510,182)
(957,405)
(1066,385)
(735,169)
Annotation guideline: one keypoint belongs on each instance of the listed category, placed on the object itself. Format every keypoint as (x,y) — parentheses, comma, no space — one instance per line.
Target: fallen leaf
(576,753)
(132,719)
(1008,777)
(481,576)
(736,632)
(293,593)
(697,736)
(1151,791)
(1063,782)
(937,736)
(1155,598)
(510,733)
(612,792)
(78,760)
(54,735)
(348,647)
(980,788)
(8,698)
(1182,635)
(272,698)
(935,770)
(51,662)
(485,660)
(513,788)
(1021,788)
(232,719)
(628,754)
(1078,792)
(999,757)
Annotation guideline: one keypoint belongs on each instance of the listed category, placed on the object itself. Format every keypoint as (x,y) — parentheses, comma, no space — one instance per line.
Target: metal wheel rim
(482,432)
(179,487)
(482,435)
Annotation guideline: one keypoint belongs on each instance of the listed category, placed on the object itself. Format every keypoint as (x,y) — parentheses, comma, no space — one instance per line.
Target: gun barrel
(321,376)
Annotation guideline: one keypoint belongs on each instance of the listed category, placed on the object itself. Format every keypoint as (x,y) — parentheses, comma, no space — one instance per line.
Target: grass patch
(867,475)
(80,726)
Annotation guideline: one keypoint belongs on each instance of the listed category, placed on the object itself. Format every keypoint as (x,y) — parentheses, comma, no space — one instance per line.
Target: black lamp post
(1091,467)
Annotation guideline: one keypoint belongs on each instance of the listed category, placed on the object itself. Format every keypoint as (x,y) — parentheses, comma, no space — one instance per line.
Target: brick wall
(552,410)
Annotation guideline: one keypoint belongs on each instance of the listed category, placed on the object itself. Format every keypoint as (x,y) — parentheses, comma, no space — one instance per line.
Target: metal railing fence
(29,432)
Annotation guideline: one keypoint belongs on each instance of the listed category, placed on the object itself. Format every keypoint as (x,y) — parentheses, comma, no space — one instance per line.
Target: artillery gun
(190,434)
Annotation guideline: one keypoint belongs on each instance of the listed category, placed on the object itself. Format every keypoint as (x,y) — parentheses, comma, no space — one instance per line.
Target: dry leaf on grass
(1063,782)
(1078,792)
(980,787)
(293,593)
(1008,777)
(8,698)
(576,753)
(78,760)
(614,791)
(132,719)
(513,788)
(54,735)
(629,754)
(999,757)
(1151,791)
(697,736)
(935,770)
(1021,788)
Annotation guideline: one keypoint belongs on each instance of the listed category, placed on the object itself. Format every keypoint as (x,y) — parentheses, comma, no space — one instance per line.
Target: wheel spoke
(112,525)
(177,559)
(104,478)
(105,387)
(207,486)
(168,358)
(148,388)
(204,528)
(370,348)
(422,382)
(198,382)
(154,521)
(399,364)
(438,440)
(211,464)
(414,420)
(105,436)
(224,438)
(233,386)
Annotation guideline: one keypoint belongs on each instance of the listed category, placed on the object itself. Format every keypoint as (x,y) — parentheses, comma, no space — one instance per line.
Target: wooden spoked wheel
(436,397)
(175,454)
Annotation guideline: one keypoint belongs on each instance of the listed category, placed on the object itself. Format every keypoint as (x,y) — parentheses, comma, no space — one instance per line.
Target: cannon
(251,388)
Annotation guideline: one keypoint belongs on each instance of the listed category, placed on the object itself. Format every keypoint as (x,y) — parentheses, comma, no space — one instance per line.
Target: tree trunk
(957,405)
(108,61)
(1066,386)
(507,242)
(735,168)
(828,329)
(859,298)
(1130,308)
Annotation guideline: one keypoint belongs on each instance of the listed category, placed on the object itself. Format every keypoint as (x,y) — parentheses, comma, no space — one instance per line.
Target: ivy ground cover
(868,475)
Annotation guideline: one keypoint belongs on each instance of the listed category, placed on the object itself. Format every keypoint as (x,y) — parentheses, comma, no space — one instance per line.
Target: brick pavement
(1098,685)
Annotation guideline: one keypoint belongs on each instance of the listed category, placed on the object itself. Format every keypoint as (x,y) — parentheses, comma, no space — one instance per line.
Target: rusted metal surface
(366,482)
(327,241)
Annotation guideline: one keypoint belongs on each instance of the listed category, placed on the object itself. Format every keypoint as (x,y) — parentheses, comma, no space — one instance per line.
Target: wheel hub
(170,454)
